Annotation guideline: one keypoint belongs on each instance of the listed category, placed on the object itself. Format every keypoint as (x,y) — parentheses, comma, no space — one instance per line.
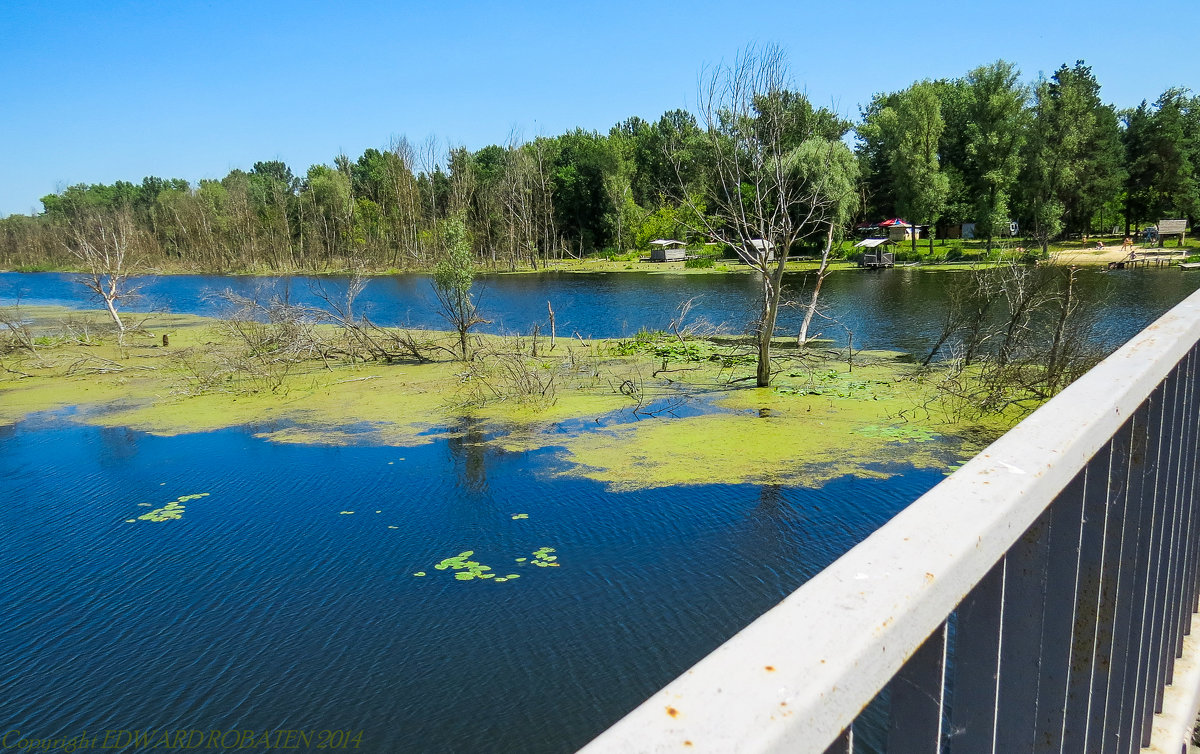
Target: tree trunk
(1052,366)
(767,328)
(112,312)
(765,332)
(812,304)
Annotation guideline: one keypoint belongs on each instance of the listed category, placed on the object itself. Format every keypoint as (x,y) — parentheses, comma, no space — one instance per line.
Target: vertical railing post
(1123,716)
(1091,628)
(918,699)
(1021,636)
(1054,646)
(1112,610)
(1143,698)
(1185,480)
(1192,566)
(1172,541)
(977,624)
(1156,614)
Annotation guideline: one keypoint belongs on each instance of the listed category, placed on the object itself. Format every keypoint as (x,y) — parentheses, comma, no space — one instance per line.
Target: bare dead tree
(775,181)
(1018,334)
(15,332)
(103,246)
(367,340)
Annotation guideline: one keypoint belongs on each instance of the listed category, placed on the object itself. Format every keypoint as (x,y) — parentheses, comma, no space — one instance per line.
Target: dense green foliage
(985,148)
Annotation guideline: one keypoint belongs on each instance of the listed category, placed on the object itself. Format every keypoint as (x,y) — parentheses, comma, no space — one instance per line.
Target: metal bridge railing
(1036,600)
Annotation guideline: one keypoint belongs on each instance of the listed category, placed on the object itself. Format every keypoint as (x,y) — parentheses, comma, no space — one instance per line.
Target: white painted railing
(1036,600)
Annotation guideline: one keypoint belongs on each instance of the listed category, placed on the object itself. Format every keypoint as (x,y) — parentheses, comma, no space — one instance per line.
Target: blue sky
(102,91)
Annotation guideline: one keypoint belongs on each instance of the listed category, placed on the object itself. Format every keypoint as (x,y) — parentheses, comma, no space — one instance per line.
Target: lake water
(268,606)
(893,309)
(265,607)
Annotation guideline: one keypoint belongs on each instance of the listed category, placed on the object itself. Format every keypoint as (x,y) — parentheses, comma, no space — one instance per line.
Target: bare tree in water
(779,175)
(104,247)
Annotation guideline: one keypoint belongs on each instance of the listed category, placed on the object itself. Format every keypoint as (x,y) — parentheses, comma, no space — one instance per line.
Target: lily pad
(543,559)
(170,512)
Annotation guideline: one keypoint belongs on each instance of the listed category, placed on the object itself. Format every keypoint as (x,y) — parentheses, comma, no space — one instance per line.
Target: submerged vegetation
(653,410)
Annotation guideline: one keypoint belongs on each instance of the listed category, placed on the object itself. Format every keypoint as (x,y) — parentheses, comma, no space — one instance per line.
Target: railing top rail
(799,674)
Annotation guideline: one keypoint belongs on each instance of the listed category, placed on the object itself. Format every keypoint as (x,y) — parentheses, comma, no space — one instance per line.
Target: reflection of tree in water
(469,451)
(117,444)
(770,499)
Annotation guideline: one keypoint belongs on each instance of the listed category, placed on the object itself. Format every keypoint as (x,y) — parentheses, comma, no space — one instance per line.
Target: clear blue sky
(102,91)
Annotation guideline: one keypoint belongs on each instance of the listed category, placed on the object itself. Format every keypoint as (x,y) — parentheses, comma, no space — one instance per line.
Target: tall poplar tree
(921,187)
(1072,155)
(995,134)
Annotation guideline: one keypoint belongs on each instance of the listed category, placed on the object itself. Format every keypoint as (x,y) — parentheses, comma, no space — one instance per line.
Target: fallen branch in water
(106,366)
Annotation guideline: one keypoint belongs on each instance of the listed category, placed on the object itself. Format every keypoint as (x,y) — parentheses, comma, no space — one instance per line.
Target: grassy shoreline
(964,253)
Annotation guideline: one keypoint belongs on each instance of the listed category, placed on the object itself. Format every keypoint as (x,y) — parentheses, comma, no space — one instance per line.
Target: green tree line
(986,148)
(1050,155)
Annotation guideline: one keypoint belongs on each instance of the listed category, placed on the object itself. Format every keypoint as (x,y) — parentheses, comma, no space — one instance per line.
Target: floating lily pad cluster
(466,569)
(172,510)
(543,559)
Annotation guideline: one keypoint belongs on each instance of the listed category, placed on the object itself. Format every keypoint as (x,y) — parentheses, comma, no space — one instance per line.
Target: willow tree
(832,170)
(772,174)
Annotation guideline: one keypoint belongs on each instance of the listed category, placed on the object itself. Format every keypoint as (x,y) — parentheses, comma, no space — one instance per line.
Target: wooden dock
(1148,259)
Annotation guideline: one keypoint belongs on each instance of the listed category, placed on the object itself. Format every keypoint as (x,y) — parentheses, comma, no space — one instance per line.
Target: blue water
(892,309)
(264,607)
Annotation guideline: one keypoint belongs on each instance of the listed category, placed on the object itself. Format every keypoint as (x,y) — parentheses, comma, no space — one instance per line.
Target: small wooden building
(667,250)
(759,249)
(1170,228)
